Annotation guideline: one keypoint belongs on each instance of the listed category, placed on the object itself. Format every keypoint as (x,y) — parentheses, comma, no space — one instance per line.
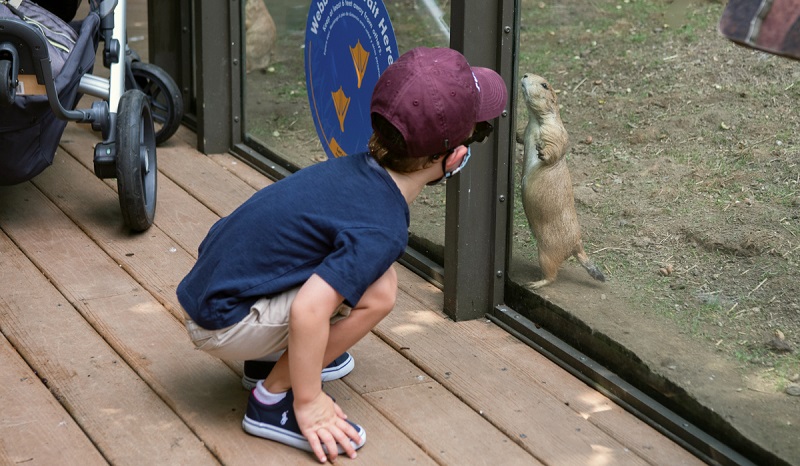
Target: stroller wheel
(8,89)
(136,161)
(165,97)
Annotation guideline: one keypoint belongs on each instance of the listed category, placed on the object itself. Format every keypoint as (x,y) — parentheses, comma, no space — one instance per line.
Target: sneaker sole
(328,374)
(337,372)
(287,437)
(249,383)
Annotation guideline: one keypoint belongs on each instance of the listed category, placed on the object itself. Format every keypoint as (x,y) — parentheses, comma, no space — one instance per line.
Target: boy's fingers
(343,439)
(350,432)
(330,443)
(316,446)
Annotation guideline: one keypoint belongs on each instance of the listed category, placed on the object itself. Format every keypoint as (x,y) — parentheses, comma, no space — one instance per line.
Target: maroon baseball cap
(434,98)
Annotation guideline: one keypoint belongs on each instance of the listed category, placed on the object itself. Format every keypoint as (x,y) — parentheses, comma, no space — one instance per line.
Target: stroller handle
(19,35)
(103,7)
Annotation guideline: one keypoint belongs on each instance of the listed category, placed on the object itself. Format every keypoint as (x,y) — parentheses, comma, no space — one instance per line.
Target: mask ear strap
(461,165)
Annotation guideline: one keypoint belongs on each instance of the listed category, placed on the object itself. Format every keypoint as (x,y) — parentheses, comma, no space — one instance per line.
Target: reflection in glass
(277,113)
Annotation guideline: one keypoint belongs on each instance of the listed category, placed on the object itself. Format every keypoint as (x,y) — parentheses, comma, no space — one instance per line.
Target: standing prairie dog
(546,183)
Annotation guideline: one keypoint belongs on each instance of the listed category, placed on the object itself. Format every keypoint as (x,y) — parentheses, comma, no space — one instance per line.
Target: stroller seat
(32,124)
(42,80)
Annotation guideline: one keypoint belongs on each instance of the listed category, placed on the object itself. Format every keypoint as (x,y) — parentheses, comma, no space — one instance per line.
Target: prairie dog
(260,36)
(547,185)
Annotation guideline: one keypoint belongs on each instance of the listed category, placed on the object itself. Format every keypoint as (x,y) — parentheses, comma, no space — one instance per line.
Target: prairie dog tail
(587,264)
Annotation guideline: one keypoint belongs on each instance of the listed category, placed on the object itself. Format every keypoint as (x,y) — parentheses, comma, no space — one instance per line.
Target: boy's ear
(455,159)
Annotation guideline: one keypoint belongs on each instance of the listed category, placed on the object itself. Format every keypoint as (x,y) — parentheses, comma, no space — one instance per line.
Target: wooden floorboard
(98,367)
(35,428)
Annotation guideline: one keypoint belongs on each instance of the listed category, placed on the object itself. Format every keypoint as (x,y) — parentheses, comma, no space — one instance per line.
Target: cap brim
(493,93)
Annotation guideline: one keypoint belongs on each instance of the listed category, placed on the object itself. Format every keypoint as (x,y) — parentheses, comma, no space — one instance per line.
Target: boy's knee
(383,293)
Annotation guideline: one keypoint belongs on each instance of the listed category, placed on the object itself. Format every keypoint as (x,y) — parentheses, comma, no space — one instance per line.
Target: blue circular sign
(349,43)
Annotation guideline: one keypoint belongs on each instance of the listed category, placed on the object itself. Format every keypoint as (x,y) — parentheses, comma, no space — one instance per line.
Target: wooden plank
(446,428)
(35,429)
(157,262)
(201,389)
(176,211)
(219,190)
(423,291)
(243,171)
(439,423)
(386,444)
(123,417)
(518,406)
(585,401)
(379,367)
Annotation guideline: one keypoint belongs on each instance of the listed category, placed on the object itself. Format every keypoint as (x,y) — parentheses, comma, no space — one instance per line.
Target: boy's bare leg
(375,304)
(315,420)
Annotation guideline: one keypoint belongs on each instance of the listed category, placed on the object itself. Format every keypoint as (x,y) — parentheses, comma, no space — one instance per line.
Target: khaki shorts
(264,331)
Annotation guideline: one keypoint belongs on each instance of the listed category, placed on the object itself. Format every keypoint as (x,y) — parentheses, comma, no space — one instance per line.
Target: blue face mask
(456,170)
(463,164)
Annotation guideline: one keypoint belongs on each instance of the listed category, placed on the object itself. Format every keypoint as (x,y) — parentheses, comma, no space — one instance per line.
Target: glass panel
(684,158)
(277,114)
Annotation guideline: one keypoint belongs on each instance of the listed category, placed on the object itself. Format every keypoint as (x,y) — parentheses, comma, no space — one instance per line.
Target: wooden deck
(96,367)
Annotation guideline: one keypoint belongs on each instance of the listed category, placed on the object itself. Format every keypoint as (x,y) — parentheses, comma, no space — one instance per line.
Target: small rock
(793,389)
(794,378)
(779,346)
(669,363)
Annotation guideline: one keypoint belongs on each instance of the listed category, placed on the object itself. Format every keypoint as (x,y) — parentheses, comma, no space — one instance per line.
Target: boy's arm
(319,418)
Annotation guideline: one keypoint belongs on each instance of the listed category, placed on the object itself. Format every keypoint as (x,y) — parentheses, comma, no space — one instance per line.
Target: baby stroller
(44,69)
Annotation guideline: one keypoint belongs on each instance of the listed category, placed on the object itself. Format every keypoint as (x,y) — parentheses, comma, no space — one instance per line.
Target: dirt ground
(686,168)
(685,161)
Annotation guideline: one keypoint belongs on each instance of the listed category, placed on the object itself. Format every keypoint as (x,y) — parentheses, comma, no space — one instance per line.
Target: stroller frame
(124,118)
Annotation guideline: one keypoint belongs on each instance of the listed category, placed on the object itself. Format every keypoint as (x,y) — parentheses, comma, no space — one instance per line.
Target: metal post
(479,200)
(213,38)
(169,26)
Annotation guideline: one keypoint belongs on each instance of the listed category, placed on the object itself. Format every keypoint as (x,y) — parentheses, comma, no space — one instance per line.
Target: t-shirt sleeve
(360,257)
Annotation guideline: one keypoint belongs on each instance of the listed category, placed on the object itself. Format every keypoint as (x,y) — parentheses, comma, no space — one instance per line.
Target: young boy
(305,265)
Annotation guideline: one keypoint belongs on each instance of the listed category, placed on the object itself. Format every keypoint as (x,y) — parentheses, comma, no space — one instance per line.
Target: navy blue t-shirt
(344,219)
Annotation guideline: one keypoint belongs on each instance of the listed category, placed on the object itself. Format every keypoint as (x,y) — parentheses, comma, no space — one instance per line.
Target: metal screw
(499,274)
(507,29)
(502,198)
(504,114)
(236,119)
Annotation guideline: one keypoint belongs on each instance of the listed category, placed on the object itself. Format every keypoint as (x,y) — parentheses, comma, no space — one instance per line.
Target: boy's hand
(322,422)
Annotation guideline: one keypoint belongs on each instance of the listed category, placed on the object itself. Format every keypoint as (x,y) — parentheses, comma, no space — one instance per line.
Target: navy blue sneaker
(277,422)
(259,370)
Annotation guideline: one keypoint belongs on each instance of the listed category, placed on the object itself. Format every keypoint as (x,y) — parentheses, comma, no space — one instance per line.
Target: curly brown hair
(388,148)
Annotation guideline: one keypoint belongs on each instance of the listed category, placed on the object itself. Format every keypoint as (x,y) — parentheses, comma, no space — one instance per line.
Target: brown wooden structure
(97,367)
